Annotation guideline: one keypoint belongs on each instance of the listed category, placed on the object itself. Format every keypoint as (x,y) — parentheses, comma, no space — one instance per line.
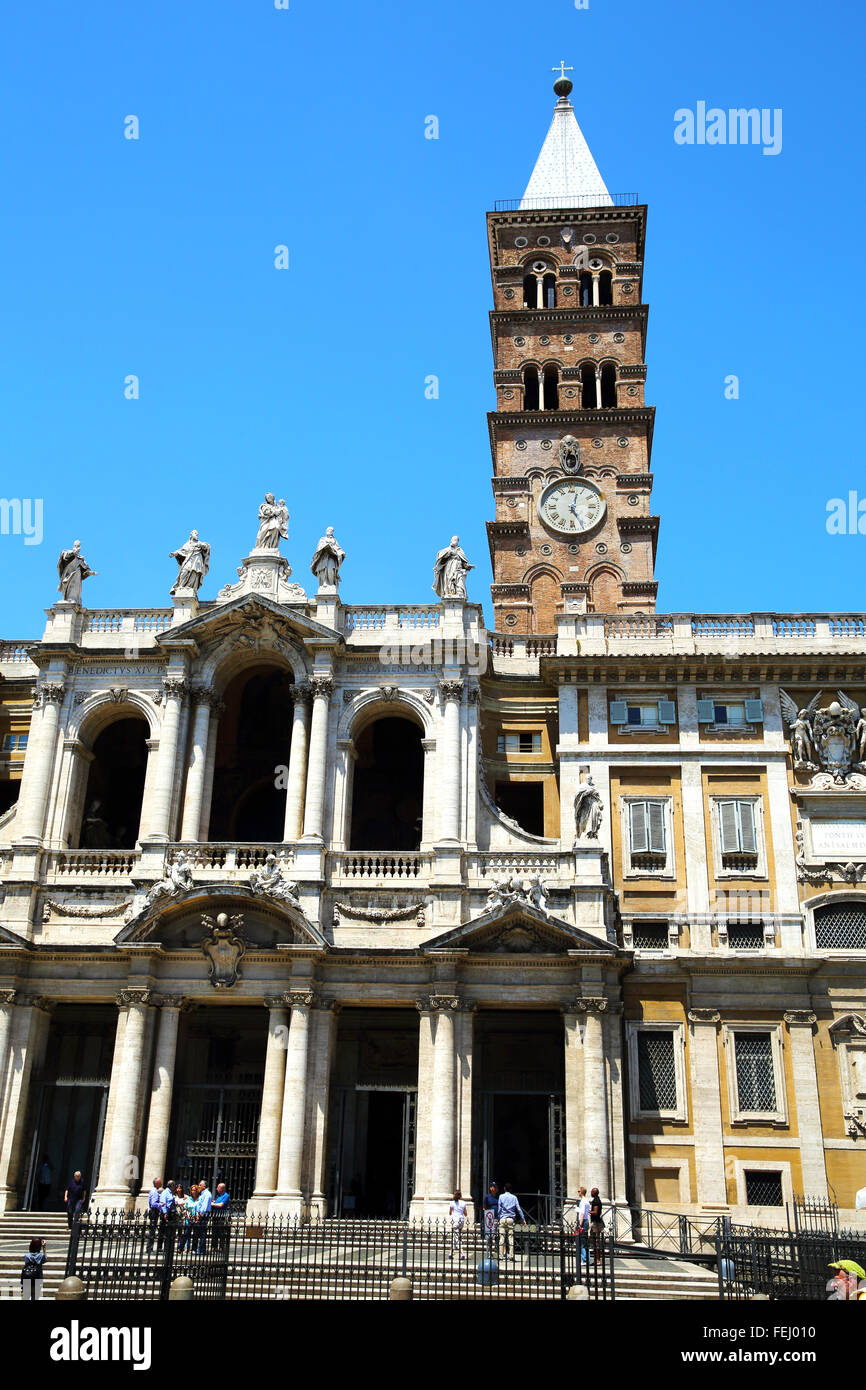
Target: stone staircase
(669,1278)
(17,1229)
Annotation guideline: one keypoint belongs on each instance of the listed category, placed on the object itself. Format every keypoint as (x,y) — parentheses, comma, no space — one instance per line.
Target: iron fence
(784,1266)
(648,1231)
(122,1256)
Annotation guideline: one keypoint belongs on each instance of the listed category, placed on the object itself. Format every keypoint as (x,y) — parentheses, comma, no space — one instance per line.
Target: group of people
(190,1212)
(501,1210)
(590,1224)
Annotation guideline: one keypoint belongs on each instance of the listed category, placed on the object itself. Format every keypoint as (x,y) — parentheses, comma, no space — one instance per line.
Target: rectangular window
(763,1189)
(647,834)
(756,1083)
(631,714)
(657,1078)
(745,936)
(650,936)
(15,743)
(730,714)
(519,743)
(738,835)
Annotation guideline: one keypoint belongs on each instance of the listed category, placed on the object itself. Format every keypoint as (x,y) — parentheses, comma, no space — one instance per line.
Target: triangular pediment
(178,924)
(12,941)
(246,614)
(519,929)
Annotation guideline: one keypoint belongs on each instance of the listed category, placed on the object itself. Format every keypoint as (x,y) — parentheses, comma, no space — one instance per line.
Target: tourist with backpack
(34,1267)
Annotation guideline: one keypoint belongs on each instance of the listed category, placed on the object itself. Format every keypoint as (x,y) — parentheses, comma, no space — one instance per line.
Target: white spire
(565,173)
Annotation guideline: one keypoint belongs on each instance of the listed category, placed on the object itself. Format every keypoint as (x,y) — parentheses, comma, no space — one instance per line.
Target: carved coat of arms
(223,948)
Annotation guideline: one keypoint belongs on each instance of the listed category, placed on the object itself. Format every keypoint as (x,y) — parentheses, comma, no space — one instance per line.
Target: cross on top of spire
(562,69)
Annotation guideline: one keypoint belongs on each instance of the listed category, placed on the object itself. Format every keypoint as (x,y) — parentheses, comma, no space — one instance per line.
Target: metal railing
(581,200)
(644,1230)
(121,1255)
(785,1267)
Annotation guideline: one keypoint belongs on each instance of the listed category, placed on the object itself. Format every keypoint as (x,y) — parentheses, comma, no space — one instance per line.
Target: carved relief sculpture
(178,880)
(271,881)
(224,949)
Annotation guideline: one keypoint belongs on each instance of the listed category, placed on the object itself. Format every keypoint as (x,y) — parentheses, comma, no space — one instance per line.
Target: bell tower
(571,435)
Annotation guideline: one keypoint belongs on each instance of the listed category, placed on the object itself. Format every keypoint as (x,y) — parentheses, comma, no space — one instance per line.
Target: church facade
(353,906)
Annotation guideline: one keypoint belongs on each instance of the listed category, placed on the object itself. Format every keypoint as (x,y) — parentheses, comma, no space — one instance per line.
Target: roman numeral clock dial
(571,508)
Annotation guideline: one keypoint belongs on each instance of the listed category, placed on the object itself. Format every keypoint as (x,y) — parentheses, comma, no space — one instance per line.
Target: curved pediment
(266,924)
(519,929)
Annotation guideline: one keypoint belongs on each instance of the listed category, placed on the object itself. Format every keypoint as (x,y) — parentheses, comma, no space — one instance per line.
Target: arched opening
(253,742)
(551,388)
(605,287)
(546,601)
(388,786)
(605,592)
(587,386)
(115,786)
(549,291)
(530,292)
(585,291)
(530,388)
(608,385)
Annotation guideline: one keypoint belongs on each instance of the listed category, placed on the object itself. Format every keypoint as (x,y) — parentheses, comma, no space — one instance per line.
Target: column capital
(301,694)
(275,1001)
(473,693)
(51,693)
(322,687)
(175,687)
(205,695)
(36,1001)
(588,1004)
(437,1003)
(170,1001)
(451,690)
(803,1018)
(704,1016)
(8,996)
(300,998)
(133,995)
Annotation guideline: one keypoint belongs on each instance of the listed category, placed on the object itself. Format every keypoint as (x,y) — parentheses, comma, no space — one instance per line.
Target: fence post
(168,1260)
(72,1252)
(563,1291)
(612,1261)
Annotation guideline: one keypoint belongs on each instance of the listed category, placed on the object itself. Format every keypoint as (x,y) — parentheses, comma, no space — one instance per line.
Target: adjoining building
(349,906)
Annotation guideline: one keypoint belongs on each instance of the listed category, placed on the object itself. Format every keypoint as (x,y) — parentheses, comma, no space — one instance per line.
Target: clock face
(570,507)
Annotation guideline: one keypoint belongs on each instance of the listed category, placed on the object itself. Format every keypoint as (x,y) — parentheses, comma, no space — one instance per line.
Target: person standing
(74,1197)
(34,1268)
(457,1212)
(582,1229)
(490,1208)
(219,1215)
(167,1213)
(596,1223)
(202,1217)
(154,1210)
(44,1179)
(507,1209)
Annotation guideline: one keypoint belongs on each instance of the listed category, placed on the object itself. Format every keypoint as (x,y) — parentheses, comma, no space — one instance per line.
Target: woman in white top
(457,1212)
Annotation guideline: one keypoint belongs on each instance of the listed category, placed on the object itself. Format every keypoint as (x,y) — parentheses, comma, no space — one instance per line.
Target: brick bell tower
(571,435)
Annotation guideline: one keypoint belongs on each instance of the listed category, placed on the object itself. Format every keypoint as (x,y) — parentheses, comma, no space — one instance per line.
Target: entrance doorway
(371,1116)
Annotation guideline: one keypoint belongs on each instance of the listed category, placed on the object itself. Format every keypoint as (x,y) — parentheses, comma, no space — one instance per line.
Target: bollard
(70,1288)
(401,1290)
(181,1287)
(578,1291)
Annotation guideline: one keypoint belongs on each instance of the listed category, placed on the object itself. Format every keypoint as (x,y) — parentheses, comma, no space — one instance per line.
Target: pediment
(10,940)
(250,614)
(178,924)
(519,929)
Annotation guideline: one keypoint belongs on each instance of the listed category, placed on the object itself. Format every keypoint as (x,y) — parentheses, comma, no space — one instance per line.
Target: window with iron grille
(524,742)
(650,936)
(756,1082)
(841,928)
(745,936)
(657,1078)
(763,1189)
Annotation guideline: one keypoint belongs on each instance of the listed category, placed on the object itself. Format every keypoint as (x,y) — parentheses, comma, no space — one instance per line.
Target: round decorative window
(520,342)
(622,442)
(632,390)
(593,337)
(521,444)
(626,547)
(509,294)
(547,550)
(597,443)
(601,548)
(510,619)
(568,338)
(544,241)
(520,241)
(521,550)
(612,237)
(627,287)
(589,238)
(546,444)
(544,341)
(568,290)
(619,337)
(595,263)
(508,395)
(574,550)
(540,267)
(633,499)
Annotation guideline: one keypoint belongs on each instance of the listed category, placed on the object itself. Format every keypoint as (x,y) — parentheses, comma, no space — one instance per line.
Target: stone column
(707,1109)
(39,765)
(195,776)
(175,688)
(217,709)
(613,1048)
(27,1037)
(289,1198)
(428,804)
(271,1115)
(449,791)
(159,1114)
(811,1135)
(464,1040)
(443,1148)
(595,1160)
(322,688)
(297,780)
(7,1015)
(324,1040)
(574,1107)
(424,1111)
(121,1158)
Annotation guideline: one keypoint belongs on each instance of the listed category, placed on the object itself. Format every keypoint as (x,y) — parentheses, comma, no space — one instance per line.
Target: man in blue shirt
(506,1210)
(154,1210)
(220,1218)
(202,1217)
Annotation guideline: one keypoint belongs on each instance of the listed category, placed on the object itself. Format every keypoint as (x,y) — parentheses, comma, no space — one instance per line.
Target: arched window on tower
(530,388)
(551,388)
(585,292)
(549,291)
(608,385)
(605,287)
(588,386)
(530,292)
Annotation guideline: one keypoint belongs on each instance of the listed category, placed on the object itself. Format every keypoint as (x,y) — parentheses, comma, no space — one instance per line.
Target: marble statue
(194,561)
(72,569)
(326,562)
(536,892)
(450,571)
(273,523)
(831,741)
(178,880)
(588,810)
(273,883)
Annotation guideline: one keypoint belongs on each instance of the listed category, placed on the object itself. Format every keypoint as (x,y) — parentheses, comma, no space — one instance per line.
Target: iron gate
(217,1129)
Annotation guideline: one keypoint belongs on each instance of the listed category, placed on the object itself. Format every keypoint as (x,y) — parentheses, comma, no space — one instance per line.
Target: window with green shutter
(647,835)
(738,835)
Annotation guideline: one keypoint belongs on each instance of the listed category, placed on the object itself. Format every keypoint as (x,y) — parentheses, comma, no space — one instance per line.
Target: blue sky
(305,127)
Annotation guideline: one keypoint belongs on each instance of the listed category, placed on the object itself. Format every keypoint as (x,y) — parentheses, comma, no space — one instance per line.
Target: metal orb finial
(563,85)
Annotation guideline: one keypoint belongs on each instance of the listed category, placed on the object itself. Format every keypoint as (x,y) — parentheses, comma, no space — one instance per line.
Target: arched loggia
(253,744)
(387,786)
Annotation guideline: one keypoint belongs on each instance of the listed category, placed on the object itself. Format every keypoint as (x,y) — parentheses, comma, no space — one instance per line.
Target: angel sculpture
(271,881)
(224,948)
(178,880)
(800,726)
(537,892)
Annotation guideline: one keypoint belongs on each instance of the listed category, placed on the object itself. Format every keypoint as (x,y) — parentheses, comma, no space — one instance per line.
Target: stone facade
(420,960)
